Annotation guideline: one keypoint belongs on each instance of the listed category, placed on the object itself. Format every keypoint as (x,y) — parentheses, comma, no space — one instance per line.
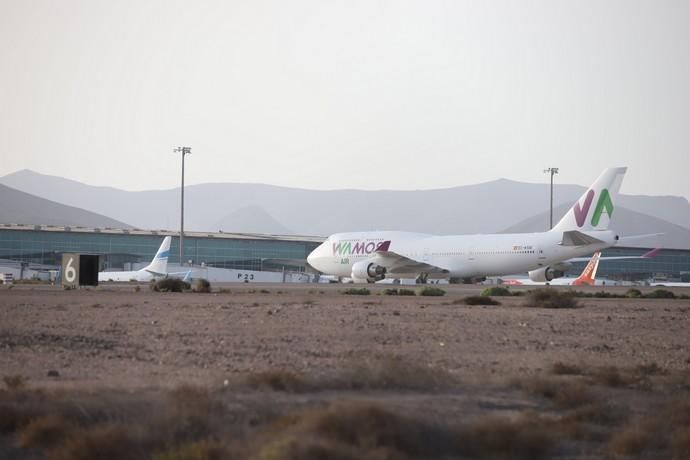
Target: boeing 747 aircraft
(158,268)
(373,256)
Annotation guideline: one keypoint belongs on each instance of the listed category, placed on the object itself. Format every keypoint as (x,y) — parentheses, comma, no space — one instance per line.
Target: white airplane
(158,268)
(373,256)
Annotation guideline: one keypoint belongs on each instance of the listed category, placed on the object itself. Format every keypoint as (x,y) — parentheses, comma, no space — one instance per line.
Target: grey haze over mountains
(18,207)
(234,207)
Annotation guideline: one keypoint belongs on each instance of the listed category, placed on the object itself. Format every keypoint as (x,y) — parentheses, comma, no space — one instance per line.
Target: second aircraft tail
(589,274)
(159,264)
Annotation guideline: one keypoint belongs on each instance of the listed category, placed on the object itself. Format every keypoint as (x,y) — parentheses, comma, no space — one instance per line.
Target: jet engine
(366,270)
(545,274)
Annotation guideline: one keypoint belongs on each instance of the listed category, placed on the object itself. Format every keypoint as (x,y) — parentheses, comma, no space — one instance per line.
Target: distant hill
(252,219)
(626,222)
(17,207)
(480,208)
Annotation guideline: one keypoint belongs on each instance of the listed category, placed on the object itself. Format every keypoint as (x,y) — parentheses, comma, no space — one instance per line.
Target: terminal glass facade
(119,250)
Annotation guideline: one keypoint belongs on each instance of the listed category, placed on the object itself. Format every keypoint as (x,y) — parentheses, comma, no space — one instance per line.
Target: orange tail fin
(589,274)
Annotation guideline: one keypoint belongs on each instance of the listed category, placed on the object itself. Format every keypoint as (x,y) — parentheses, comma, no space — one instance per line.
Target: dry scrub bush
(563,394)
(202,285)
(526,437)
(430,291)
(630,441)
(12,418)
(680,443)
(496,291)
(390,372)
(610,376)
(278,380)
(560,368)
(663,432)
(550,298)
(614,377)
(103,442)
(202,450)
(598,413)
(44,431)
(479,300)
(170,285)
(352,430)
(15,382)
(377,373)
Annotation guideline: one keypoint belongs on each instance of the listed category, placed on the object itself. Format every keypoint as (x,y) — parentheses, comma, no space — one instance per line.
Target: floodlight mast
(551,171)
(184,151)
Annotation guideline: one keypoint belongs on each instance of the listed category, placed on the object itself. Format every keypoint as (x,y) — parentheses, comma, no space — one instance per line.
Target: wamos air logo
(346,248)
(604,205)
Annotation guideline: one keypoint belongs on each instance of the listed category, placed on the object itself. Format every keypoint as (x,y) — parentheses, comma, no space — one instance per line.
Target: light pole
(551,171)
(184,151)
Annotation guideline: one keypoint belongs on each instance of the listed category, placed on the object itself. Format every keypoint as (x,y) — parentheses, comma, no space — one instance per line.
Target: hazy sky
(346,94)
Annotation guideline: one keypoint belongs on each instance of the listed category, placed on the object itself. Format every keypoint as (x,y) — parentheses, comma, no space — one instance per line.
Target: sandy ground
(113,335)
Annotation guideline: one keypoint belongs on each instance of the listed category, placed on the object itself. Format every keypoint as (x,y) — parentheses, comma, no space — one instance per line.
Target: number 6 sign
(70,270)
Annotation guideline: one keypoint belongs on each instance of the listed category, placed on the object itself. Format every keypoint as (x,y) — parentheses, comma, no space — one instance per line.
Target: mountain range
(496,206)
(22,208)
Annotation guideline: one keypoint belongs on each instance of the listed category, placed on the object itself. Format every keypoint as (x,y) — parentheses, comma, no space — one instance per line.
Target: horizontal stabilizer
(624,239)
(576,238)
(650,254)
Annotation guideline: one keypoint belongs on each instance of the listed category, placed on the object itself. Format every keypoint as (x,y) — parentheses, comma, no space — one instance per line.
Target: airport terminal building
(42,246)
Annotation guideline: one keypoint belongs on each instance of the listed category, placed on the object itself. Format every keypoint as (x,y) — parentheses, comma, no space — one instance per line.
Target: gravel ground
(113,335)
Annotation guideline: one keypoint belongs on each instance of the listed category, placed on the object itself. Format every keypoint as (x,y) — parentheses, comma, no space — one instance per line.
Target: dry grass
(12,418)
(568,416)
(564,394)
(15,382)
(202,450)
(526,437)
(389,373)
(662,432)
(560,368)
(350,430)
(105,442)
(680,443)
(44,431)
(611,376)
(278,380)
(598,413)
(630,441)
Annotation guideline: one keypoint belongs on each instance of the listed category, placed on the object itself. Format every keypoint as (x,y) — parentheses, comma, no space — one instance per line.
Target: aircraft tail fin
(159,264)
(589,274)
(594,209)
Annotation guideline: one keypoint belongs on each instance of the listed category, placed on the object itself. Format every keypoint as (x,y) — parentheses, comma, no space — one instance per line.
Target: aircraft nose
(314,257)
(311,258)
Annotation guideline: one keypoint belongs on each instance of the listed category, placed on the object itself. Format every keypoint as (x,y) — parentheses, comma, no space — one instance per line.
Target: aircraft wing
(646,255)
(395,263)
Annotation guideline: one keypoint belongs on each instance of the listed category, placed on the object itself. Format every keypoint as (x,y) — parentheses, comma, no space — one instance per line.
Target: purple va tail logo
(581,213)
(603,205)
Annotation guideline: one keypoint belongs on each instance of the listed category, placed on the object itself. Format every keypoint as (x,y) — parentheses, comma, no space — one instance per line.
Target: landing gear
(422,278)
